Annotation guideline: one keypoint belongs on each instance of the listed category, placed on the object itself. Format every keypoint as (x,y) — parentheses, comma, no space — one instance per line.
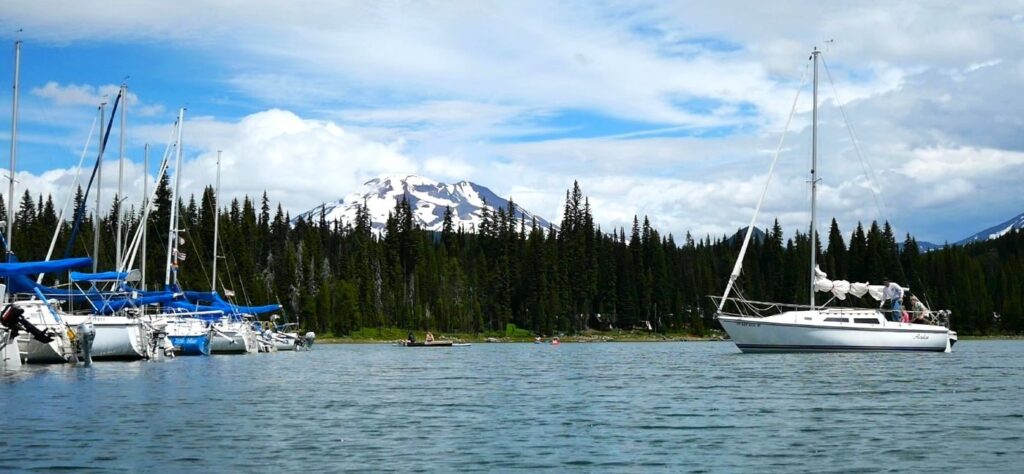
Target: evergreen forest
(338,277)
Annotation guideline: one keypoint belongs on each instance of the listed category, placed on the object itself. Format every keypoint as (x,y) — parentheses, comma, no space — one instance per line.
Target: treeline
(339,276)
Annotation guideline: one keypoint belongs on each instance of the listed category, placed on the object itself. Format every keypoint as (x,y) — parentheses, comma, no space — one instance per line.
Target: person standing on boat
(893,293)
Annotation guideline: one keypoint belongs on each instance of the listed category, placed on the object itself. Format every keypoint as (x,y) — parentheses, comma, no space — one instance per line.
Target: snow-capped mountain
(996,231)
(427,198)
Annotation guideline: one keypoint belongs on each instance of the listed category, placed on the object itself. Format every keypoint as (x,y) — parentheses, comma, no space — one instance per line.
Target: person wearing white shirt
(893,293)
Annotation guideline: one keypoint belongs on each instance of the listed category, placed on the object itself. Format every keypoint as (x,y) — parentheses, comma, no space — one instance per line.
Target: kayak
(428,344)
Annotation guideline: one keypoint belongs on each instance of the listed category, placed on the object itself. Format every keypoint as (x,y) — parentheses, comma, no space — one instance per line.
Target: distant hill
(758,235)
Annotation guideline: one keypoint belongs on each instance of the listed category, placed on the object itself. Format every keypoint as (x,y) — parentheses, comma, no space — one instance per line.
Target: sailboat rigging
(814,327)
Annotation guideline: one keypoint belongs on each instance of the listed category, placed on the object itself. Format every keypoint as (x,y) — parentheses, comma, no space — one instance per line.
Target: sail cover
(52,266)
(841,288)
(102,276)
(211,300)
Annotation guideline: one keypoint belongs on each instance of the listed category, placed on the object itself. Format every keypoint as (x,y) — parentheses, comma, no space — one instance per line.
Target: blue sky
(667,109)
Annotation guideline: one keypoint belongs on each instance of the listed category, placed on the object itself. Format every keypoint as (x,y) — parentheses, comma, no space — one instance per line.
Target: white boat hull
(233,338)
(285,341)
(35,352)
(58,351)
(806,331)
(10,356)
(117,337)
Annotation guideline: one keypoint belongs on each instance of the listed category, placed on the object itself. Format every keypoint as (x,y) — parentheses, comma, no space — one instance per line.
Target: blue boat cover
(102,276)
(212,301)
(53,266)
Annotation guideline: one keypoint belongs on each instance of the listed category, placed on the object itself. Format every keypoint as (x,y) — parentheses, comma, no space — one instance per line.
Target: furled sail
(841,288)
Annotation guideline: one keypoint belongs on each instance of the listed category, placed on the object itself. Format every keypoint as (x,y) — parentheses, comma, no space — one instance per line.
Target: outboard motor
(310,337)
(13,318)
(86,335)
(160,344)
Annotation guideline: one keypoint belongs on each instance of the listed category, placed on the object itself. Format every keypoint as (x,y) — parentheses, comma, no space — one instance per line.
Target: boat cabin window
(836,320)
(866,320)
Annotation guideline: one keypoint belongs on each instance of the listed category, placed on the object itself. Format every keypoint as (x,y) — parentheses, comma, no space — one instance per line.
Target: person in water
(893,293)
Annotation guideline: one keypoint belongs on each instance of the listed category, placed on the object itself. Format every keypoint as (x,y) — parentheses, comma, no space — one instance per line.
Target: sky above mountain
(668,109)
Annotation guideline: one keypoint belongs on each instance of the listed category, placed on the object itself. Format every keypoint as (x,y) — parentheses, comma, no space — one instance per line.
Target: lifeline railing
(761,309)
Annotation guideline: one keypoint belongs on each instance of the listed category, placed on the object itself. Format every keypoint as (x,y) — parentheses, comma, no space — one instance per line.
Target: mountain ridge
(996,231)
(427,198)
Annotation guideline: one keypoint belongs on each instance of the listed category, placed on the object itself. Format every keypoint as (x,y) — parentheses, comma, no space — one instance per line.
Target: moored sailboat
(756,326)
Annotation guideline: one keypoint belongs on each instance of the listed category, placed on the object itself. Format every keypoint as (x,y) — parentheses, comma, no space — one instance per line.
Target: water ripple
(582,407)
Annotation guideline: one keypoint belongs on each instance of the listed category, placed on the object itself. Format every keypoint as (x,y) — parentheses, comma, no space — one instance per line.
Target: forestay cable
(750,228)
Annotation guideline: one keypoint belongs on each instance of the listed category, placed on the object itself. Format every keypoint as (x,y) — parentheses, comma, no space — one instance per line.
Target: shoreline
(578,339)
(496,339)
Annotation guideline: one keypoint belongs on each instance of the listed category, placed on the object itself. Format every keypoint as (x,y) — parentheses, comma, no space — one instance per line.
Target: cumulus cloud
(299,161)
(87,95)
(468,91)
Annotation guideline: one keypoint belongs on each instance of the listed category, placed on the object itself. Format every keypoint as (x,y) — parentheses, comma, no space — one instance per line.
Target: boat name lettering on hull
(742,323)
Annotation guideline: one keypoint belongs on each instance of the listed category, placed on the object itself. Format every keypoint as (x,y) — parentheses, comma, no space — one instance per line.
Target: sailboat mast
(814,175)
(99,191)
(216,222)
(172,237)
(145,206)
(14,150)
(120,178)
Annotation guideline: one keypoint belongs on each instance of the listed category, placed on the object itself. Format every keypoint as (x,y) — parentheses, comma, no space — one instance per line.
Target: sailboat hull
(60,350)
(35,352)
(191,345)
(785,334)
(10,357)
(189,336)
(117,337)
(233,342)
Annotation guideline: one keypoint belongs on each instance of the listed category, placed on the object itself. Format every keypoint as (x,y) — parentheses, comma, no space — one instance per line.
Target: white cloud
(446,89)
(297,161)
(83,94)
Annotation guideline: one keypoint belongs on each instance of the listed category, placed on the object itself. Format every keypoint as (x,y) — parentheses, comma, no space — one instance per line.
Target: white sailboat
(10,356)
(60,349)
(230,335)
(772,327)
(284,339)
(117,337)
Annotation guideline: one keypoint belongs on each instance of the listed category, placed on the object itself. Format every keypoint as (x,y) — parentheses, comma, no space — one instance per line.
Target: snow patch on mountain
(427,198)
(997,231)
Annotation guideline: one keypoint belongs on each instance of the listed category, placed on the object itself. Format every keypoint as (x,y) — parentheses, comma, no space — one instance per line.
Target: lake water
(696,406)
